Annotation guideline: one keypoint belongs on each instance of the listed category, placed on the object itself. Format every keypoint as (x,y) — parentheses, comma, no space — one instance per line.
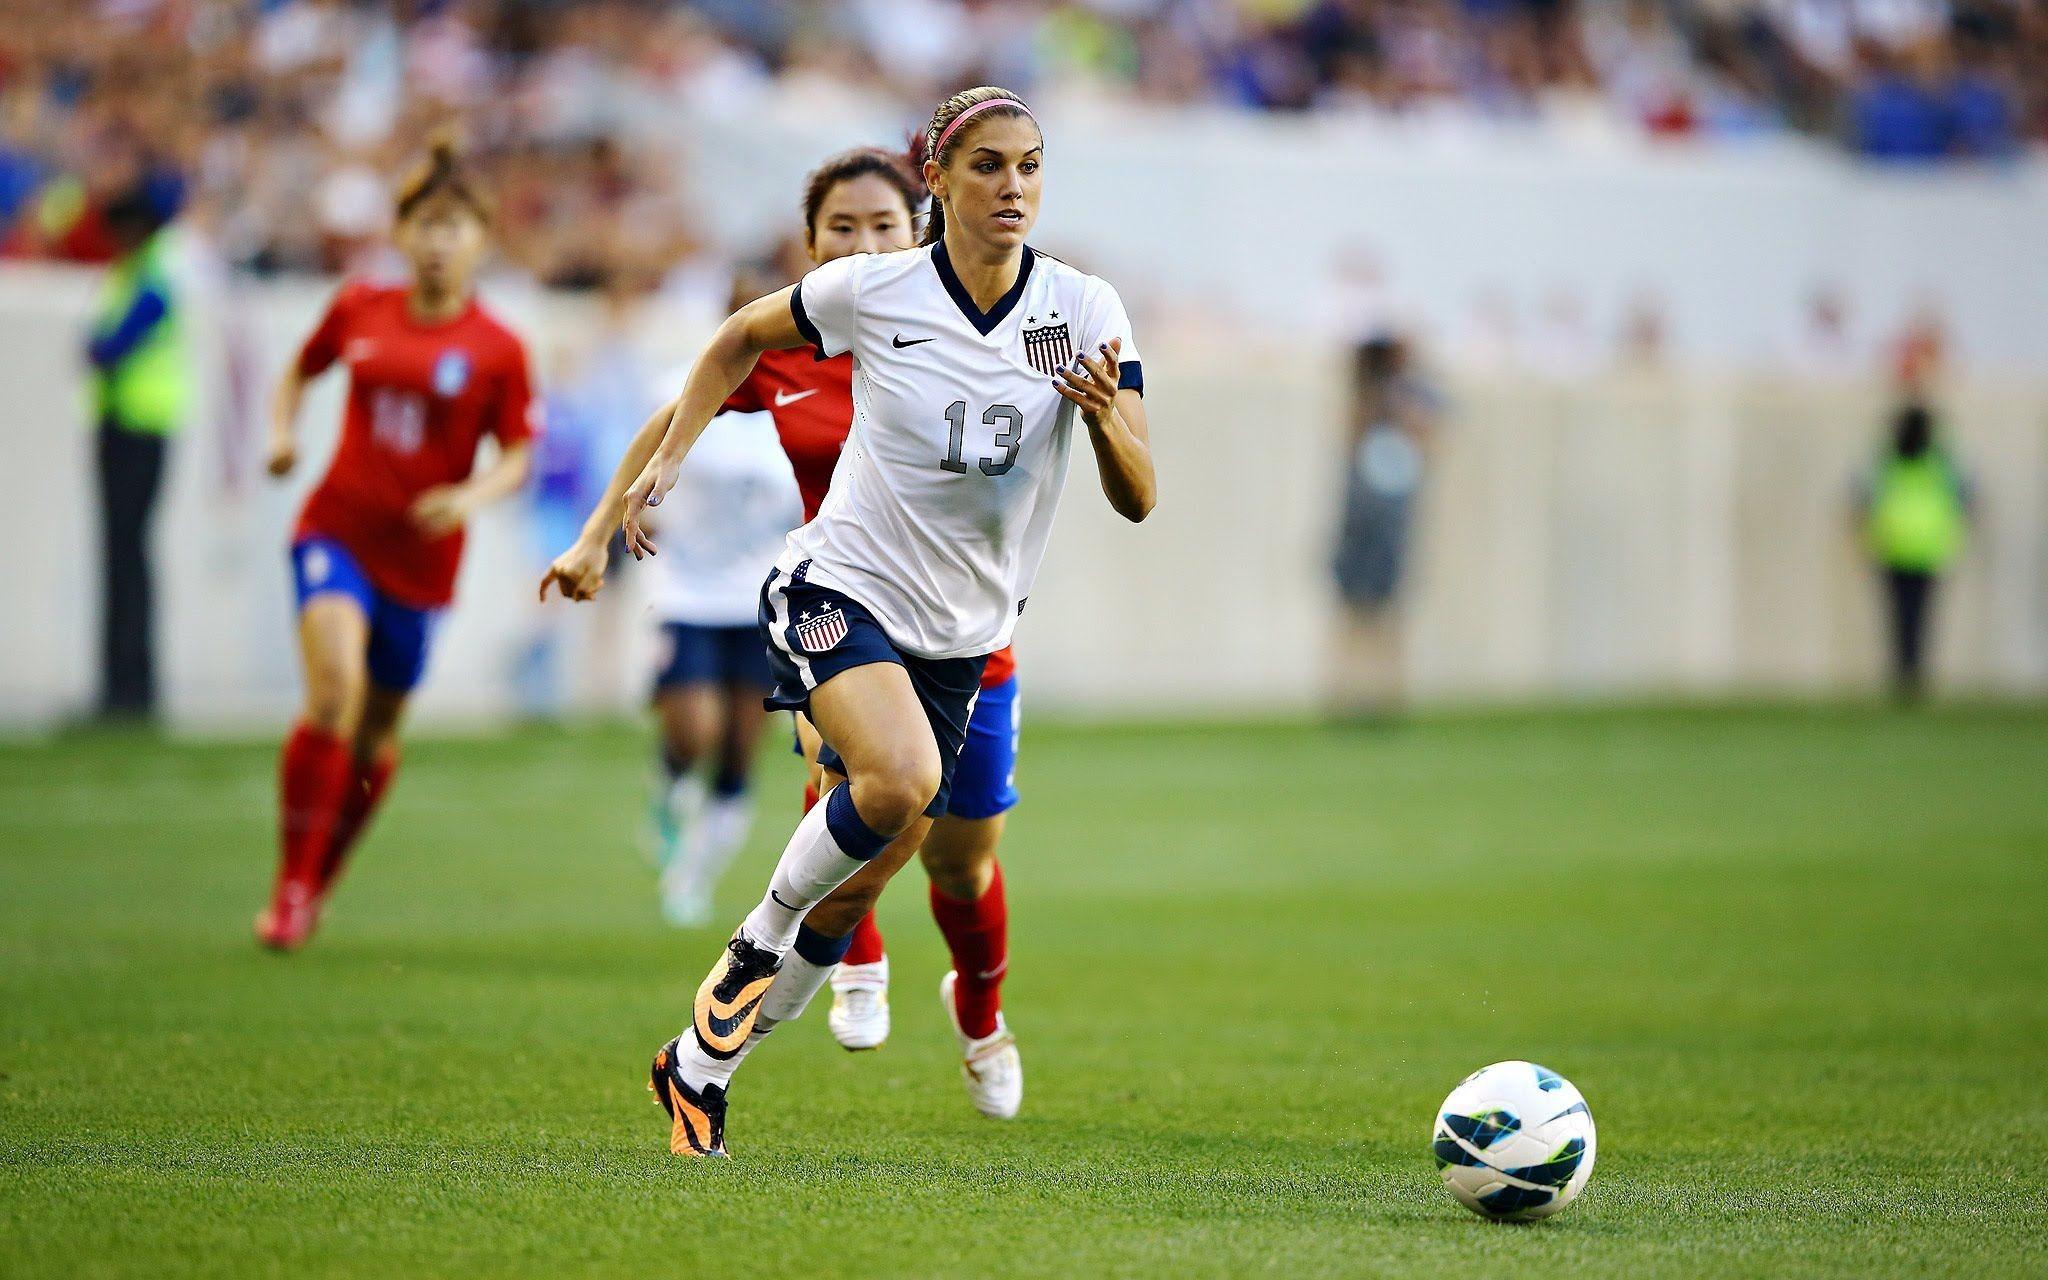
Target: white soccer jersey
(945,494)
(718,533)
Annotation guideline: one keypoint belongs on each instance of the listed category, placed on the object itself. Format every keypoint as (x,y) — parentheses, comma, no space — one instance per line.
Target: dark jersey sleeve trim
(1131,377)
(803,323)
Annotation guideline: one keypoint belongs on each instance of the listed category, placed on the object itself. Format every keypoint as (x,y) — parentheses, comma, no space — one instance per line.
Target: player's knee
(961,878)
(892,795)
(334,699)
(685,734)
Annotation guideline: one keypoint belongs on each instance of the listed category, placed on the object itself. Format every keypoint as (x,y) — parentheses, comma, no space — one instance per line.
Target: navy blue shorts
(400,636)
(985,783)
(814,633)
(712,655)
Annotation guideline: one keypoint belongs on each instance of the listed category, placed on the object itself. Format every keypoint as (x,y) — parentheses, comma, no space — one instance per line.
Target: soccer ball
(1514,1142)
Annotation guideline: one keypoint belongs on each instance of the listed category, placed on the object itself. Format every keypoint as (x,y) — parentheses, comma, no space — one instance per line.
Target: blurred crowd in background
(274,123)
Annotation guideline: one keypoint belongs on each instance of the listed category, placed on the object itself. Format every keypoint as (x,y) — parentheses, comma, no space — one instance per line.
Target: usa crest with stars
(1048,343)
(815,633)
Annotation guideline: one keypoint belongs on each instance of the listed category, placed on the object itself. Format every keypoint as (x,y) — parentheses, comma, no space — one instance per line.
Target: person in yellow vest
(1916,515)
(140,391)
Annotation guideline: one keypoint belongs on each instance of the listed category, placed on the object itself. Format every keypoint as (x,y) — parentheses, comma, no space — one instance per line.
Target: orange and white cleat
(696,1118)
(729,1002)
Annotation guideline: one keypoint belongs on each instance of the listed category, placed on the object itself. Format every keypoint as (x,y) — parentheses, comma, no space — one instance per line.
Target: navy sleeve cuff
(1131,377)
(803,322)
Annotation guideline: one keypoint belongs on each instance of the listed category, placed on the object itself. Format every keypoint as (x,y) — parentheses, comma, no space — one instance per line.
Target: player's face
(991,181)
(443,241)
(860,215)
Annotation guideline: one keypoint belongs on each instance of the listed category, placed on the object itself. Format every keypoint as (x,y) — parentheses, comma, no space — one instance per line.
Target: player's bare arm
(443,510)
(282,450)
(765,324)
(578,573)
(1116,430)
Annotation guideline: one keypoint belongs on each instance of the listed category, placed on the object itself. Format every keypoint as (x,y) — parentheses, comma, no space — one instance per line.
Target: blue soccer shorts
(400,636)
(814,633)
(985,784)
(712,655)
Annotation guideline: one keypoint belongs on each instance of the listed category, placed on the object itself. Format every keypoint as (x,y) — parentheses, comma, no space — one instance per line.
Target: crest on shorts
(1048,343)
(815,633)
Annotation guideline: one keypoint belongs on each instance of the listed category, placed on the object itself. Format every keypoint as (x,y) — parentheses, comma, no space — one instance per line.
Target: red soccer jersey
(421,397)
(812,402)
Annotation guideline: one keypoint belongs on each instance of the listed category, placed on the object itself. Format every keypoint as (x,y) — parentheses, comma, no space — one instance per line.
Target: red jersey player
(863,201)
(374,556)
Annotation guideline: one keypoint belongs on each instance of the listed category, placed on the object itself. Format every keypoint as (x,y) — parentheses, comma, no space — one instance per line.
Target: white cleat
(685,903)
(990,1065)
(860,1005)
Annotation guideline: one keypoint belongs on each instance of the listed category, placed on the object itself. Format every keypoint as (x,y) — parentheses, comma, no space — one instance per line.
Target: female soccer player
(973,356)
(431,373)
(862,201)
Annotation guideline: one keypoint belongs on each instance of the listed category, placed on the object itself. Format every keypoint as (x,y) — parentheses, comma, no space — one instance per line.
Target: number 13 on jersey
(1009,437)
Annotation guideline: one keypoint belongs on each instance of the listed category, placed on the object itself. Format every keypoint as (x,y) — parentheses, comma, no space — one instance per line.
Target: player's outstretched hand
(656,479)
(577,573)
(1090,381)
(441,510)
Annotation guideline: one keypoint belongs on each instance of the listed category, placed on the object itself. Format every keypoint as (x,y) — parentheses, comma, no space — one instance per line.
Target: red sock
(366,785)
(810,797)
(978,935)
(866,945)
(313,774)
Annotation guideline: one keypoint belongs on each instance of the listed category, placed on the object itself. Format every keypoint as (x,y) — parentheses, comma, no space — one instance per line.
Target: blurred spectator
(287,111)
(140,390)
(1644,342)
(1920,354)
(1824,349)
(1915,510)
(596,399)
(1393,413)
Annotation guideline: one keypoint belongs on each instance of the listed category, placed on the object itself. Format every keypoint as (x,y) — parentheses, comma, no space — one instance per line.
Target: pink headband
(965,116)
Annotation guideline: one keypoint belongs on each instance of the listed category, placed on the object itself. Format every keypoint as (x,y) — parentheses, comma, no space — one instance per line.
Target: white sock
(725,822)
(794,987)
(699,1068)
(829,845)
(805,967)
(683,800)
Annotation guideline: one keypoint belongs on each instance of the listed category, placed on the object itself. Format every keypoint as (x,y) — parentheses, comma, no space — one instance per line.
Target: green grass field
(1794,958)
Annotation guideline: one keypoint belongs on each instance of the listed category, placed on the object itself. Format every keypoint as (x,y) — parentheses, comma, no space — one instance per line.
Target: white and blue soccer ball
(1514,1142)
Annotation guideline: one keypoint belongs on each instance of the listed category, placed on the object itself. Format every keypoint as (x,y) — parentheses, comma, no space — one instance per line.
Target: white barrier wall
(1631,534)
(1252,218)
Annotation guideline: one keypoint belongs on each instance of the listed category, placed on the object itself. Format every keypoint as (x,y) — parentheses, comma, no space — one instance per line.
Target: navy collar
(985,321)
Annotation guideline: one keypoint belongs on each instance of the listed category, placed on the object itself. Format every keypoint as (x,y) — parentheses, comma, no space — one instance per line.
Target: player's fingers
(1078,397)
(1092,394)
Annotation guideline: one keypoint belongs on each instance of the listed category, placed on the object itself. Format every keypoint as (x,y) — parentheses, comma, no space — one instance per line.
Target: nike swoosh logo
(991,975)
(722,1028)
(900,341)
(782,400)
(787,906)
